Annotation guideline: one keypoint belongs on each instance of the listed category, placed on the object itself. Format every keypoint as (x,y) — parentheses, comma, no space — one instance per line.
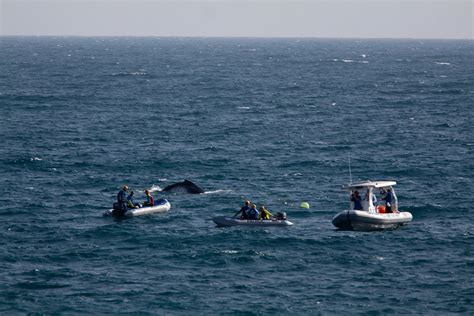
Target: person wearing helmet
(149,199)
(253,212)
(243,211)
(264,213)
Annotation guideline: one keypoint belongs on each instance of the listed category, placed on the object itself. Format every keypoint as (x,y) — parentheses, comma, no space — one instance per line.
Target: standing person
(370,196)
(388,201)
(121,201)
(355,197)
(149,199)
(243,211)
(253,212)
(264,213)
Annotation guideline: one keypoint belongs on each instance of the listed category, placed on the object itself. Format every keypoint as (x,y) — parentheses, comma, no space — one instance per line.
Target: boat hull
(162,207)
(364,221)
(225,221)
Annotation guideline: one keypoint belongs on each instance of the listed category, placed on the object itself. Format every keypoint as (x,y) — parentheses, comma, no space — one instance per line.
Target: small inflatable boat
(363,213)
(227,221)
(161,206)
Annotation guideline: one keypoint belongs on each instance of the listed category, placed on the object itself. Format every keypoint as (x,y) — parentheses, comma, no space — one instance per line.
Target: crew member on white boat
(355,197)
(369,196)
(131,202)
(149,199)
(121,201)
(388,201)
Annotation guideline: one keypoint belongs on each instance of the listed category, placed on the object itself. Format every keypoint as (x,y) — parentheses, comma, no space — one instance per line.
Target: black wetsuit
(122,203)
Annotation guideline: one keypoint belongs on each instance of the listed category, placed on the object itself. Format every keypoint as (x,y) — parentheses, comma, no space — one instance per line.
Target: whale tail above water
(186,186)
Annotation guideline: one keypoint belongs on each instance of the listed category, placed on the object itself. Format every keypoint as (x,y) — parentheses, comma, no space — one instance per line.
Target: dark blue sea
(270,120)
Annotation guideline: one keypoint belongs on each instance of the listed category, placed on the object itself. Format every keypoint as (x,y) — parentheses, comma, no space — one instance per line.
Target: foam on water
(217,191)
(155,188)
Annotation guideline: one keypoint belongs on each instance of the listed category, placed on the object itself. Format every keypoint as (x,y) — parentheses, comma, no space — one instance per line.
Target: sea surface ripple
(271,120)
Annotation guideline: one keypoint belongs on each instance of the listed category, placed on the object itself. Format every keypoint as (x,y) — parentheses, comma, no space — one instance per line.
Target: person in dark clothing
(388,201)
(355,197)
(243,211)
(121,201)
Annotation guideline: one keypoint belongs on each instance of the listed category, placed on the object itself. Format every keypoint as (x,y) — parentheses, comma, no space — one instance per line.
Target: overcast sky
(256,18)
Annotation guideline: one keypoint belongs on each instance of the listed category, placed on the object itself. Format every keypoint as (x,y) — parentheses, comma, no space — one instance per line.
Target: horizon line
(241,37)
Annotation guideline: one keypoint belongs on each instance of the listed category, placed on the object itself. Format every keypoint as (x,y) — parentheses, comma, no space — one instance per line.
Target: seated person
(264,213)
(149,199)
(243,211)
(131,202)
(253,213)
(355,197)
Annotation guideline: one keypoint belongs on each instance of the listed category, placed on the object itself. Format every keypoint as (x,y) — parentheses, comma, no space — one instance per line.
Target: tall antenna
(350,171)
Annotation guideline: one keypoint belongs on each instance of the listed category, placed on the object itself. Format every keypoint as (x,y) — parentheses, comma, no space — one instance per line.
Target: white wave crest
(154,188)
(230,251)
(442,63)
(217,191)
(135,73)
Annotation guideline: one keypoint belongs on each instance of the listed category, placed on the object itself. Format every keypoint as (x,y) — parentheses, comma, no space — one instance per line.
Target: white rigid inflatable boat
(368,217)
(227,221)
(361,220)
(161,206)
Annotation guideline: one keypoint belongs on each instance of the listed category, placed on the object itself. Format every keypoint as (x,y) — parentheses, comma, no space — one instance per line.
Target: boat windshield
(371,199)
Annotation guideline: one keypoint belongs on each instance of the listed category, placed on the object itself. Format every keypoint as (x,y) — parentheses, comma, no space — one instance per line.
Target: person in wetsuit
(253,212)
(243,211)
(121,202)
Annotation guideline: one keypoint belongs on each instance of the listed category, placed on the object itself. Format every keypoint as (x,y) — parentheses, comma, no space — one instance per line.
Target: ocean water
(271,120)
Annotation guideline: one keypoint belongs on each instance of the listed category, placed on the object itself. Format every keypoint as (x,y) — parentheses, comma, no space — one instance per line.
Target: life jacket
(265,214)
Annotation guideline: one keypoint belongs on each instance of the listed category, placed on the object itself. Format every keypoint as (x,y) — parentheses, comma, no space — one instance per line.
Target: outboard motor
(281,216)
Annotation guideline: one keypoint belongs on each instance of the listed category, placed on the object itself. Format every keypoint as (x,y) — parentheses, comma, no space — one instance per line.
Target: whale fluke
(186,186)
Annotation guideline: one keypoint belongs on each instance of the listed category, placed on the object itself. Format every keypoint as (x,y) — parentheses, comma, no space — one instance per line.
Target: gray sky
(257,18)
